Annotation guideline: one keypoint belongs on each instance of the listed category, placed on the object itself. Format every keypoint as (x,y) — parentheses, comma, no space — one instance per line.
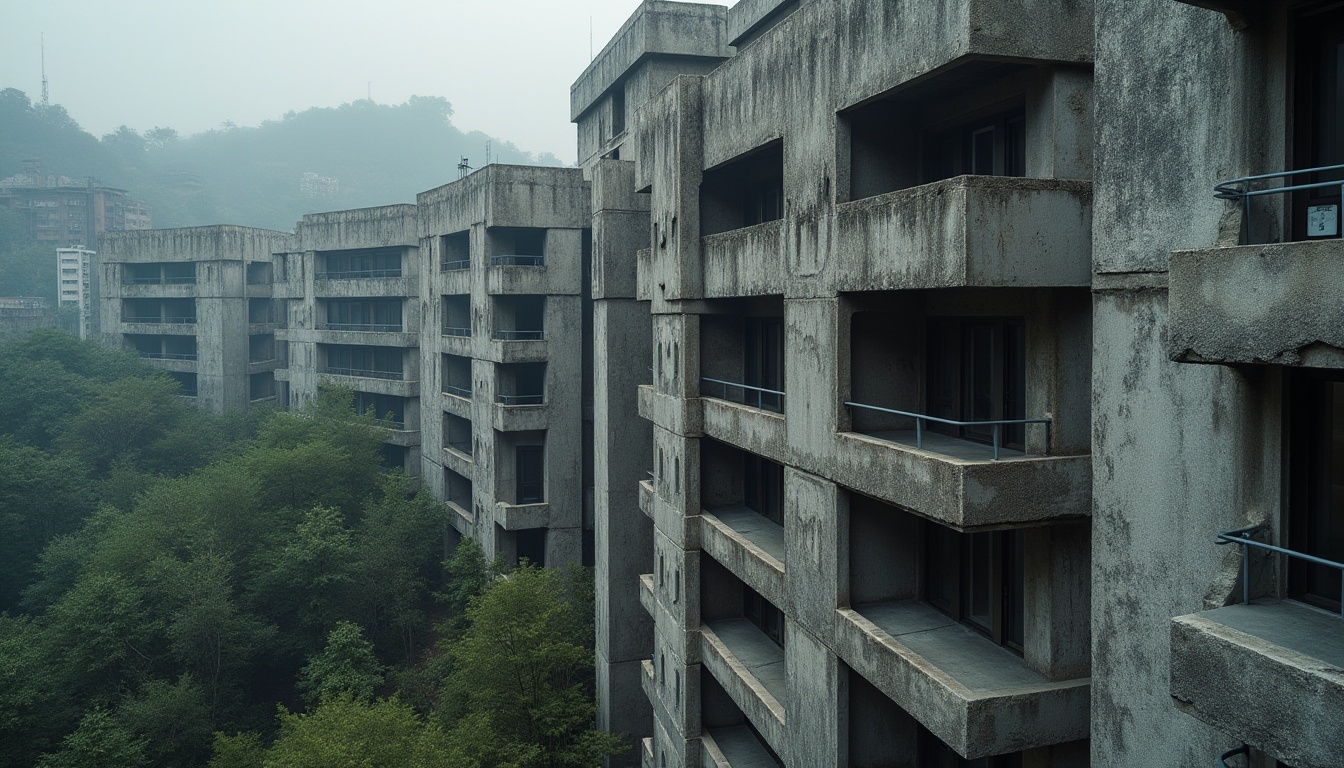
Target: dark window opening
(618,109)
(977,578)
(521,384)
(531,546)
(977,371)
(456,375)
(457,489)
(530,482)
(377,262)
(159,273)
(364,315)
(520,318)
(457,434)
(260,311)
(261,348)
(763,486)
(260,386)
(763,362)
(517,246)
(457,315)
(1318,93)
(1316,486)
(763,614)
(186,383)
(158,311)
(393,456)
(991,146)
(456,251)
(155,347)
(367,361)
(389,409)
(258,273)
(743,192)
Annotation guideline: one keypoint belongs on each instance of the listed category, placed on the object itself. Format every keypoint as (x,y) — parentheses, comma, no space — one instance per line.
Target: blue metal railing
(159,320)
(920,418)
(504,335)
(745,389)
(449,389)
(1243,750)
(1243,536)
(168,355)
(521,399)
(365,373)
(449,266)
(517,261)
(453,330)
(1241,189)
(369,327)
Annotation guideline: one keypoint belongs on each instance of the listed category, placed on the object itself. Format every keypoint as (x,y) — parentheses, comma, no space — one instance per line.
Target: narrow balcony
(735,746)
(747,416)
(748,545)
(967,231)
(745,262)
(750,667)
(521,517)
(977,697)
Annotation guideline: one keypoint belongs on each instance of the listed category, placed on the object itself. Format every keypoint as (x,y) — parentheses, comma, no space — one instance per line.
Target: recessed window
(977,578)
(1316,490)
(976,369)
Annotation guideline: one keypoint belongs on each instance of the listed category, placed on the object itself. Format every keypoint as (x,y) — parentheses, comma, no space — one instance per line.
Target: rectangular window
(381,262)
(1316,486)
(529,465)
(990,146)
(375,362)
(1318,124)
(365,315)
(977,578)
(977,371)
(763,366)
(763,614)
(763,487)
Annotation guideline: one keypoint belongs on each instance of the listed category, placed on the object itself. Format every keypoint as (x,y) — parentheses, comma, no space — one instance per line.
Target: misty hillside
(376,154)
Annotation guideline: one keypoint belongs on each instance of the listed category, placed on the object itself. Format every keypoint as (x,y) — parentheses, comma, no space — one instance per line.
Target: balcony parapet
(751,669)
(373,284)
(748,545)
(1270,674)
(968,231)
(519,517)
(520,418)
(745,262)
(978,697)
(375,385)
(1268,304)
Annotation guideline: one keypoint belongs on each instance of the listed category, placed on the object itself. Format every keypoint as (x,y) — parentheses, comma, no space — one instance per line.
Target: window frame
(954,582)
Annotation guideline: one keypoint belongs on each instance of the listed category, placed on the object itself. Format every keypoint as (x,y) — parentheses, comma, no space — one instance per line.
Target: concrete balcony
(646,597)
(1269,674)
(1277,304)
(747,427)
(259,290)
(734,746)
(520,517)
(337,287)
(647,497)
(516,351)
(461,346)
(262,366)
(370,381)
(180,364)
(504,278)
(461,463)
(461,519)
(959,484)
(748,545)
(684,416)
(457,405)
(520,418)
(649,680)
(408,337)
(644,274)
(969,231)
(170,326)
(978,697)
(745,262)
(750,667)
(159,290)
(398,435)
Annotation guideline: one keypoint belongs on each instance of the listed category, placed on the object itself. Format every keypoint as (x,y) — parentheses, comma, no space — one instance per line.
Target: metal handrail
(521,399)
(516,260)
(1240,189)
(349,274)
(159,320)
(185,280)
(461,446)
(1243,750)
(449,389)
(503,335)
(373,327)
(920,418)
(168,355)
(368,374)
(761,392)
(451,330)
(449,266)
(1242,536)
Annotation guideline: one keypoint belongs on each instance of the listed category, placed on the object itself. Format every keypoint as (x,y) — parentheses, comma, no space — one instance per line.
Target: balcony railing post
(1245,574)
(919,433)
(996,441)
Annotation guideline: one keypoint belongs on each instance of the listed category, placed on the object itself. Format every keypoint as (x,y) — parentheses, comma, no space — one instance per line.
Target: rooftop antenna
(590,37)
(487,153)
(369,93)
(463,168)
(45,94)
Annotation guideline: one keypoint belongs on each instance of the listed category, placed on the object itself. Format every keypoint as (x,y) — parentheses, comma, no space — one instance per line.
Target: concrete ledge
(459,462)
(644,274)
(401,437)
(1276,304)
(530,351)
(408,338)
(261,366)
(167,329)
(506,280)
(978,698)
(1270,674)
(649,680)
(519,418)
(738,667)
(749,546)
(680,416)
(520,517)
(733,746)
(646,592)
(965,493)
(746,427)
(646,752)
(182,366)
(160,291)
(259,290)
(458,406)
(454,282)
(367,287)
(461,518)
(646,497)
(745,262)
(456,345)
(968,231)
(376,386)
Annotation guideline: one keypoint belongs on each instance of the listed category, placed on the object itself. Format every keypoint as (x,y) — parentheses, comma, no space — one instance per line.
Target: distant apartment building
(61,211)
(349,303)
(77,290)
(196,303)
(21,315)
(507,359)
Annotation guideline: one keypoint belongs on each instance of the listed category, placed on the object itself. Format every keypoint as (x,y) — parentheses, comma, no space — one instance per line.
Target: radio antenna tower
(45,95)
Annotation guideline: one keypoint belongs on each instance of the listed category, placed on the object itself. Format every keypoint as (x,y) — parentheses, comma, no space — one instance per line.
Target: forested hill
(377,153)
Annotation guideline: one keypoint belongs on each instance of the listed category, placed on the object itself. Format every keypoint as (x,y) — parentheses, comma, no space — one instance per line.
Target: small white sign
(1323,221)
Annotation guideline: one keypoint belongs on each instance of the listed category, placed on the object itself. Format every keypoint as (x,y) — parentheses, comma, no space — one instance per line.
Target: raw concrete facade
(504,307)
(195,302)
(350,303)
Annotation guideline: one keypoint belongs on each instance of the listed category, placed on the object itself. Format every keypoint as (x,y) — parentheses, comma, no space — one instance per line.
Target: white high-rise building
(75,285)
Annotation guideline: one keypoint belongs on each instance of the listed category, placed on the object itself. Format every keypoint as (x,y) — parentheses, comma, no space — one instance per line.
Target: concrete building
(61,211)
(77,289)
(506,357)
(197,303)
(21,315)
(350,301)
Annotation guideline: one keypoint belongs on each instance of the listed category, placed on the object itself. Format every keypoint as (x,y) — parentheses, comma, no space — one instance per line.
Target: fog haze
(506,65)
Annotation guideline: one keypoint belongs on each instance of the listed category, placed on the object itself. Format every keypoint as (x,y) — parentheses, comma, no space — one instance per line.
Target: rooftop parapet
(212,243)
(655,28)
(507,196)
(384,225)
(750,19)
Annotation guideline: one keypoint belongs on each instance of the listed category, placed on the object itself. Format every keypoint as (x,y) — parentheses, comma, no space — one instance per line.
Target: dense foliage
(172,579)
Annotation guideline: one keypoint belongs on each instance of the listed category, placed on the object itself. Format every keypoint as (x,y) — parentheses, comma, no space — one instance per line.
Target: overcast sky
(506,65)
